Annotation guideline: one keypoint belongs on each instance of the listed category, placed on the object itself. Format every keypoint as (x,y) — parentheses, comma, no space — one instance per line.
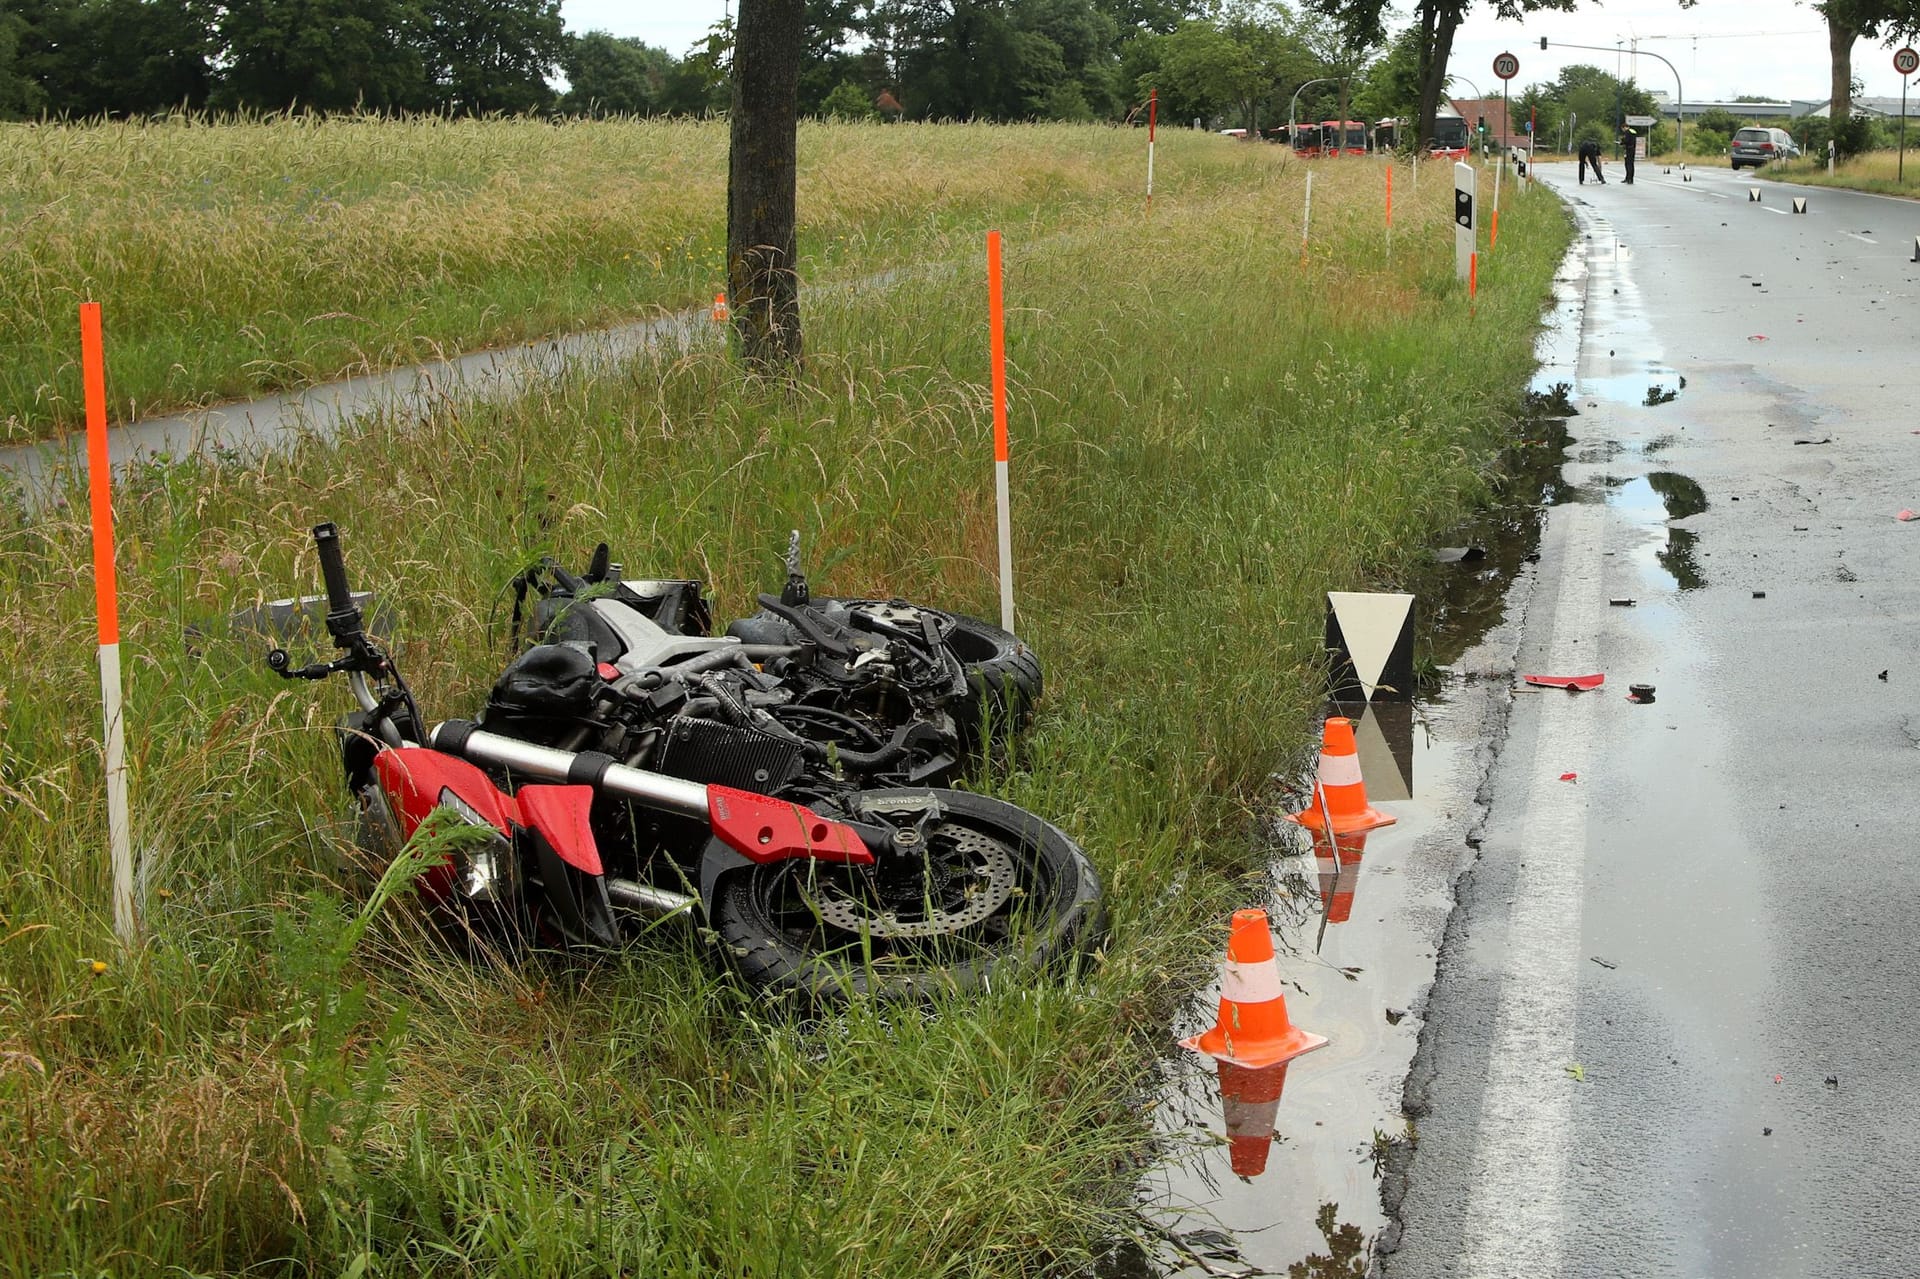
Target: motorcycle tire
(924,928)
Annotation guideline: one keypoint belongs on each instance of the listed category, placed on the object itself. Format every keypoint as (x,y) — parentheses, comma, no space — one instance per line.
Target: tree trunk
(1840,37)
(761,172)
(1424,75)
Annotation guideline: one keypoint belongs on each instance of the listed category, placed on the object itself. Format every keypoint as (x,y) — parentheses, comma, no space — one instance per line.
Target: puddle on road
(1649,386)
(1653,500)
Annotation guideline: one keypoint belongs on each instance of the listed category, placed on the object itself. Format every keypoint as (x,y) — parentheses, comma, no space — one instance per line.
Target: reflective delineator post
(93,374)
(1153,112)
(997,354)
(1464,244)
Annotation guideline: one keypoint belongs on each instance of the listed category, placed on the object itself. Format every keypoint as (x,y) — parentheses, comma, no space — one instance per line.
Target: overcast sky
(1722,48)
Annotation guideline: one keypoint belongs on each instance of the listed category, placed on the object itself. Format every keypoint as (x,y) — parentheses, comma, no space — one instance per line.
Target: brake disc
(971,878)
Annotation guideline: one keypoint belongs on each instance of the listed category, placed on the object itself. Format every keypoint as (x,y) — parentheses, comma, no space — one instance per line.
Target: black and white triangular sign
(1383,739)
(1370,636)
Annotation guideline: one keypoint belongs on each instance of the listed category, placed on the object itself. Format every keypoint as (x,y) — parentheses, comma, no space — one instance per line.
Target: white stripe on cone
(1340,770)
(1250,983)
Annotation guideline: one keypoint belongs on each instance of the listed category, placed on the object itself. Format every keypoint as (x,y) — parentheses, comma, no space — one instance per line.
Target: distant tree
(94,57)
(849,101)
(1236,65)
(1436,22)
(20,94)
(1721,121)
(1390,87)
(493,55)
(612,75)
(1153,16)
(325,55)
(1847,22)
(762,176)
(827,61)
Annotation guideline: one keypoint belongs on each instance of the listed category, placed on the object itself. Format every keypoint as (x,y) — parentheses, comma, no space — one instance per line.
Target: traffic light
(1483,124)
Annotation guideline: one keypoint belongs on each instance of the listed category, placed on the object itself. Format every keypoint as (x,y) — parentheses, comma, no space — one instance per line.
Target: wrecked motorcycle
(605,785)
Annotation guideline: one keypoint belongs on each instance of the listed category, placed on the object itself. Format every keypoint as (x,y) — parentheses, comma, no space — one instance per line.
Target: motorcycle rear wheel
(997,893)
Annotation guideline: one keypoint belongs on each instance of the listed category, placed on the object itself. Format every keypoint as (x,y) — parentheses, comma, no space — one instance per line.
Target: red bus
(1344,137)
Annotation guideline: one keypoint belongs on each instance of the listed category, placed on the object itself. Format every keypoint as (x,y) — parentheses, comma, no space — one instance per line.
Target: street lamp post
(1329,79)
(1680,106)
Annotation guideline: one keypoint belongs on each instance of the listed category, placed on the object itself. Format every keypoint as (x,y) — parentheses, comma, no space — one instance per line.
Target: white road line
(1770,209)
(1517,1219)
(1864,239)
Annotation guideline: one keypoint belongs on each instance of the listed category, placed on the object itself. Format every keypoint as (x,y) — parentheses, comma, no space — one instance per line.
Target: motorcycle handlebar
(333,567)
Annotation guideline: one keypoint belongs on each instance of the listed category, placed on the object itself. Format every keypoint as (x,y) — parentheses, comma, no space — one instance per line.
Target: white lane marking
(1517,1219)
(1864,239)
(1767,208)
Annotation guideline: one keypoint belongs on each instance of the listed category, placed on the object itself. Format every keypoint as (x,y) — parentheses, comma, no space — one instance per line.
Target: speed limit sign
(1906,62)
(1506,66)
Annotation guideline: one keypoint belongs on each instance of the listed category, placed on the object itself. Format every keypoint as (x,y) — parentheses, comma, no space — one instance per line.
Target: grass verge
(1875,171)
(1208,433)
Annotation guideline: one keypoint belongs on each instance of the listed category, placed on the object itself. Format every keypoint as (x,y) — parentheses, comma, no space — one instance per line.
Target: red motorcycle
(889,891)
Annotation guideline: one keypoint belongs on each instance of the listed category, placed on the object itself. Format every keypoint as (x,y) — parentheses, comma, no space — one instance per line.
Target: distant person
(1590,155)
(1629,143)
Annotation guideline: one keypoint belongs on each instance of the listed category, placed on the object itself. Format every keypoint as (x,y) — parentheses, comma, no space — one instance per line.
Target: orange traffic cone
(1250,1098)
(1253,1029)
(1338,790)
(720,308)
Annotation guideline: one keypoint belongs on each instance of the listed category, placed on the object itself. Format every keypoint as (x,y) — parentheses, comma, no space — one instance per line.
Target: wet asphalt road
(1676,1029)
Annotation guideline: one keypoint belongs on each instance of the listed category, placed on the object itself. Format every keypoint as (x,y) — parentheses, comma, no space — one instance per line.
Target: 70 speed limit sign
(1506,66)
(1906,62)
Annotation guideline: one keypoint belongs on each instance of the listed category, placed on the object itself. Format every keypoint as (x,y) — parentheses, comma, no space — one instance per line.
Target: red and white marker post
(93,372)
(1306,219)
(997,352)
(1389,210)
(1153,113)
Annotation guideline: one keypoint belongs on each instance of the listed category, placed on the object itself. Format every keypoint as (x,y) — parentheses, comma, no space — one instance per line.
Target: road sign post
(1506,66)
(1906,62)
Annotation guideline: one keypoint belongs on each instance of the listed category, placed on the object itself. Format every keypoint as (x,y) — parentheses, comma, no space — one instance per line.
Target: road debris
(1624,602)
(1641,693)
(1572,683)
(1576,1072)
(1823,440)
(1905,516)
(1604,963)
(1759,595)
(1569,777)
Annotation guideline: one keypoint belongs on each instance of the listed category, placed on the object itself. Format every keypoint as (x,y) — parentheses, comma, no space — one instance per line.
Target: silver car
(1756,146)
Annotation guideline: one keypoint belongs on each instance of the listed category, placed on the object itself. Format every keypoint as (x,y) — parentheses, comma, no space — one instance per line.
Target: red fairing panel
(762,829)
(414,776)
(560,813)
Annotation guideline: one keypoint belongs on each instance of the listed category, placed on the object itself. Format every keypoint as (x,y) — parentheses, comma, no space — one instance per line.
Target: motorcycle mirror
(602,559)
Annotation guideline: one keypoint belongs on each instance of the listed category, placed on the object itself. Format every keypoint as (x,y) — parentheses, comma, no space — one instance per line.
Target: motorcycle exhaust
(645,899)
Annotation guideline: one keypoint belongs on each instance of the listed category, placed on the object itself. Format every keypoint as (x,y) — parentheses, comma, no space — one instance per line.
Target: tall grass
(235,257)
(1207,434)
(1870,171)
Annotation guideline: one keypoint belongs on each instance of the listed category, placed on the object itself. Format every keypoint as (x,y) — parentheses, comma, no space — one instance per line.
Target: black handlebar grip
(333,567)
